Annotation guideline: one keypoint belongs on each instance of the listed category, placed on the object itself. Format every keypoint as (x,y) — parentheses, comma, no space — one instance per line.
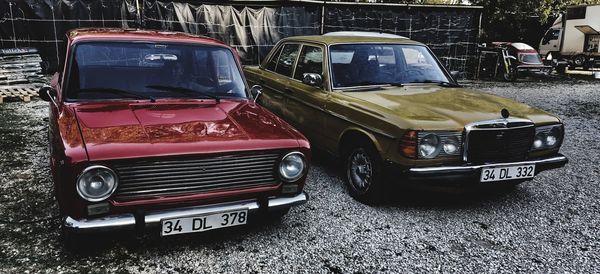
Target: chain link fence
(252,27)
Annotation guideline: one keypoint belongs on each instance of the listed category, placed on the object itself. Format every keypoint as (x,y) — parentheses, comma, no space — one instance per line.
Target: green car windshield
(355,65)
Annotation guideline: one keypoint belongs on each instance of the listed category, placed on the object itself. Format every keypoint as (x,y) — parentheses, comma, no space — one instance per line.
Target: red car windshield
(118,70)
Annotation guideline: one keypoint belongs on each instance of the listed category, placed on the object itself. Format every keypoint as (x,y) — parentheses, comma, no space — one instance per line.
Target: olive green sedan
(387,107)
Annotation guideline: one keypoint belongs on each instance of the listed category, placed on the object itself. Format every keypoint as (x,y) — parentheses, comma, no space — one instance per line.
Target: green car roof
(341,39)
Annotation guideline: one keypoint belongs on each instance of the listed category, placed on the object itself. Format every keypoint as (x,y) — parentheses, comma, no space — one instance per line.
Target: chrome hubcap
(360,170)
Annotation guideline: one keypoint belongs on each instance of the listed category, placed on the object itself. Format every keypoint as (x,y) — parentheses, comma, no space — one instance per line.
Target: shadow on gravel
(432,198)
(450,199)
(150,241)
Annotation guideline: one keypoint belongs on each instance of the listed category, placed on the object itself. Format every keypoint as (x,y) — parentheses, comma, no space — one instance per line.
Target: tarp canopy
(249,26)
(252,31)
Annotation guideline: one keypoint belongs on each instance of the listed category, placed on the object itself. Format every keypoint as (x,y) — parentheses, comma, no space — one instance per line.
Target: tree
(521,21)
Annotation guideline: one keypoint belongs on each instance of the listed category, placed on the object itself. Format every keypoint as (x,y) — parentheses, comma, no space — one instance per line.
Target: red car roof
(95,34)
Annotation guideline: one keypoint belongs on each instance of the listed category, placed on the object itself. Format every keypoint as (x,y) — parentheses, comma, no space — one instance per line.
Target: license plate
(203,223)
(507,173)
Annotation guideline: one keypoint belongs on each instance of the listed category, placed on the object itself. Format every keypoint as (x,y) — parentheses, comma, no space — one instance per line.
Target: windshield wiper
(371,83)
(183,90)
(120,92)
(440,83)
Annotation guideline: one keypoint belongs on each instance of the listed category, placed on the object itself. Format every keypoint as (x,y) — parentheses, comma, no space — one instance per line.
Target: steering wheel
(415,72)
(412,74)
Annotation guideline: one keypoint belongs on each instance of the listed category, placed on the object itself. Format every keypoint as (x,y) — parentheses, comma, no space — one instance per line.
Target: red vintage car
(157,129)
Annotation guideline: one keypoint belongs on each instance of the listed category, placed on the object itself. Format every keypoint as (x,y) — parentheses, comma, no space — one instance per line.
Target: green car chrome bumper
(470,173)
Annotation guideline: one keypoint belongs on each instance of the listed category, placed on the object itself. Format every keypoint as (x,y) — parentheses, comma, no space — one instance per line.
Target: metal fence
(252,27)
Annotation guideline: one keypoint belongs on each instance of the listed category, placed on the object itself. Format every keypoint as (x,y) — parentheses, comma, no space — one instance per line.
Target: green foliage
(508,20)
(521,21)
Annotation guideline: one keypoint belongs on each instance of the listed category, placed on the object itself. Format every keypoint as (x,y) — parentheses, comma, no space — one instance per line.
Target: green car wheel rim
(360,170)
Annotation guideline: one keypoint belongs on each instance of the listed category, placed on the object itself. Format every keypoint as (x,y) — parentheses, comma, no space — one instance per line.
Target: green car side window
(288,55)
(311,61)
(273,61)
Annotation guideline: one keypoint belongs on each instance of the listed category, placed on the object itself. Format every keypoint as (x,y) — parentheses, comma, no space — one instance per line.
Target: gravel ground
(550,224)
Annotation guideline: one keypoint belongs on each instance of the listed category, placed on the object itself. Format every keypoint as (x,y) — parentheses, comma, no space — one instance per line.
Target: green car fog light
(553,137)
(451,145)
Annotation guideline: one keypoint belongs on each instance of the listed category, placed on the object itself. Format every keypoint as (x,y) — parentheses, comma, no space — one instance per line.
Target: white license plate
(203,223)
(507,173)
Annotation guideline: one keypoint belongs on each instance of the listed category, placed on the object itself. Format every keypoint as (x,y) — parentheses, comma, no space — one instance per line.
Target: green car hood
(437,108)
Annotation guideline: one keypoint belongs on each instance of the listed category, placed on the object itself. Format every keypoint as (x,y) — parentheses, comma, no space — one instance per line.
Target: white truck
(574,38)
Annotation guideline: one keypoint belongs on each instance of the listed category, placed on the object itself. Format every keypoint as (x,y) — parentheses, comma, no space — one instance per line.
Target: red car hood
(119,130)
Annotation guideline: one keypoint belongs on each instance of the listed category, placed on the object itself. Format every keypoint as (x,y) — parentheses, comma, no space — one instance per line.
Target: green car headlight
(553,137)
(439,144)
(547,137)
(429,146)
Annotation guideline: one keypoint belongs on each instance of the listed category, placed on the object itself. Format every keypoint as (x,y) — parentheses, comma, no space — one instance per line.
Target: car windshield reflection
(356,65)
(119,70)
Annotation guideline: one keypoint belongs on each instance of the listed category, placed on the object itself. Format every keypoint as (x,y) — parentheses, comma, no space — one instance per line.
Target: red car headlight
(97,183)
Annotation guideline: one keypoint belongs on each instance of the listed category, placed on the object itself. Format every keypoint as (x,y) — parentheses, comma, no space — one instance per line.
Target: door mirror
(312,79)
(256,91)
(47,93)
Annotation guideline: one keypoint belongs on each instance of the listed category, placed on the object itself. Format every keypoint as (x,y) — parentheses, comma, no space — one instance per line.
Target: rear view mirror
(256,91)
(312,79)
(47,93)
(160,56)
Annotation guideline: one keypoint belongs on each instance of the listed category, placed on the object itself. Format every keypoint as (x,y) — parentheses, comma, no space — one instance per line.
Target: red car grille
(184,176)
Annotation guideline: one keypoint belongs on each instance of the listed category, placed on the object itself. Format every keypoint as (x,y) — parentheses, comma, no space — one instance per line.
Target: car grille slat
(169,165)
(175,185)
(137,195)
(197,189)
(154,181)
(183,172)
(193,175)
(499,145)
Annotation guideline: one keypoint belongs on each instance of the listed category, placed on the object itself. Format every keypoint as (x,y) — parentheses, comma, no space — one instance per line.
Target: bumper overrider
(473,172)
(127,221)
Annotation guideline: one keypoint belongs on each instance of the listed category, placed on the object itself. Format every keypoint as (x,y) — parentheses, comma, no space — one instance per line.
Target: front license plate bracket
(204,222)
(507,173)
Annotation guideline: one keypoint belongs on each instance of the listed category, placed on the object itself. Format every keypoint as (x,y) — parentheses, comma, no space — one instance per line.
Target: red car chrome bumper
(127,221)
